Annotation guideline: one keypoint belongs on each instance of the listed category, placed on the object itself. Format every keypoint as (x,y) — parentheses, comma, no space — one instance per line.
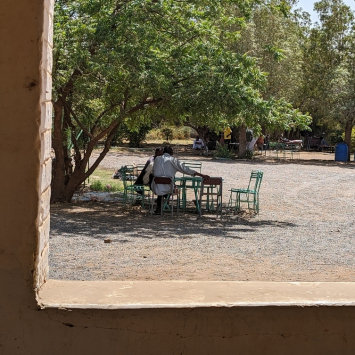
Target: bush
(222,151)
(248,154)
(99,186)
(169,133)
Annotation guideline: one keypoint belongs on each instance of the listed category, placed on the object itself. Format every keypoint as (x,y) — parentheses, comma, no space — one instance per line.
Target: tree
(329,67)
(274,36)
(125,61)
(130,61)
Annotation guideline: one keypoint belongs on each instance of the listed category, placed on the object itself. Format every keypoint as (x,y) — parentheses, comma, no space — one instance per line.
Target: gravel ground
(304,232)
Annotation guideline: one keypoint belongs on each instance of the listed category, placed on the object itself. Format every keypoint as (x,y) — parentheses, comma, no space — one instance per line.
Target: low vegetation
(102,180)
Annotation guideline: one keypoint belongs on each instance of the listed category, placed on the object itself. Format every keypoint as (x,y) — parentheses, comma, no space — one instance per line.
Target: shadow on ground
(97,219)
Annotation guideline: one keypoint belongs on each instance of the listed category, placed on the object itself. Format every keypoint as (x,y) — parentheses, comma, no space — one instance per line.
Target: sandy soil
(304,232)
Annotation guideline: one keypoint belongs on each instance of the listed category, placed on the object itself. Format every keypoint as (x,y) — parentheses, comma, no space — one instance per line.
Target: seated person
(143,177)
(323,143)
(167,166)
(198,143)
(282,139)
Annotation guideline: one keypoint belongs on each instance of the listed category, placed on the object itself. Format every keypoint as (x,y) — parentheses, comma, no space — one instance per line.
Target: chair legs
(237,197)
(164,205)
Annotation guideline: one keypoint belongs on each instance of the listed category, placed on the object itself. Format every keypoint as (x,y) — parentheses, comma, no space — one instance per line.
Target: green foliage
(104,183)
(178,133)
(248,154)
(136,137)
(222,151)
(168,133)
(329,67)
(142,62)
(99,186)
(162,57)
(335,137)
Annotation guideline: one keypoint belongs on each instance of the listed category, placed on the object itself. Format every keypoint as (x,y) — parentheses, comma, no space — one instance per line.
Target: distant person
(227,133)
(260,142)
(282,139)
(249,134)
(323,143)
(198,143)
(167,166)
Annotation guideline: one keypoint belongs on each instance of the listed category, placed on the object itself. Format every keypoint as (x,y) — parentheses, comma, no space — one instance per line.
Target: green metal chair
(131,193)
(212,189)
(163,180)
(249,195)
(194,165)
(295,151)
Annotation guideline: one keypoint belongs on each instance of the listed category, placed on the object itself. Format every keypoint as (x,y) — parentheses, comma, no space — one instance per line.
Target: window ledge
(192,294)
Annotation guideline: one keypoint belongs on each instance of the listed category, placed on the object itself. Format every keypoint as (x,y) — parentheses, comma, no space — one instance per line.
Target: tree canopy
(137,61)
(329,67)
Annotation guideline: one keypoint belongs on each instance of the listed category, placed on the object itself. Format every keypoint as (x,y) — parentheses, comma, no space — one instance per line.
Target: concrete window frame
(150,294)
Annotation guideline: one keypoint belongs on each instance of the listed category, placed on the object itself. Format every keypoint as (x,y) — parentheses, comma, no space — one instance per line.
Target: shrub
(248,154)
(222,151)
(168,133)
(99,186)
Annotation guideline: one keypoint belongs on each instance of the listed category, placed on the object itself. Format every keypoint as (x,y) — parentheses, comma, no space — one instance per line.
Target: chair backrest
(212,181)
(194,165)
(125,170)
(256,177)
(162,180)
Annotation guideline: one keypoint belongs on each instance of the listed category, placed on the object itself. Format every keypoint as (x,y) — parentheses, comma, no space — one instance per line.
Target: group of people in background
(262,142)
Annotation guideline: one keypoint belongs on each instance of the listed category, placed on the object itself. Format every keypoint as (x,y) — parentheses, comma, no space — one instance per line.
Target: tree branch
(85,130)
(101,115)
(103,153)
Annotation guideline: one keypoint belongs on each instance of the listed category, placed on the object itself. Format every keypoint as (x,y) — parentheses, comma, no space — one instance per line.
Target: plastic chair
(212,189)
(249,195)
(162,180)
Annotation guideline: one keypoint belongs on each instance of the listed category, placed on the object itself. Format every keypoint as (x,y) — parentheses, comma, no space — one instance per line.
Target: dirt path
(305,231)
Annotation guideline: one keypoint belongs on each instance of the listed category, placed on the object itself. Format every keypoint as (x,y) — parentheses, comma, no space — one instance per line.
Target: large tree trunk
(242,141)
(65,181)
(348,129)
(58,165)
(202,132)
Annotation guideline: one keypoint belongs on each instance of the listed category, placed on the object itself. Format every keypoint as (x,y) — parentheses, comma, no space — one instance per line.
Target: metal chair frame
(130,191)
(194,165)
(211,187)
(163,180)
(249,195)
